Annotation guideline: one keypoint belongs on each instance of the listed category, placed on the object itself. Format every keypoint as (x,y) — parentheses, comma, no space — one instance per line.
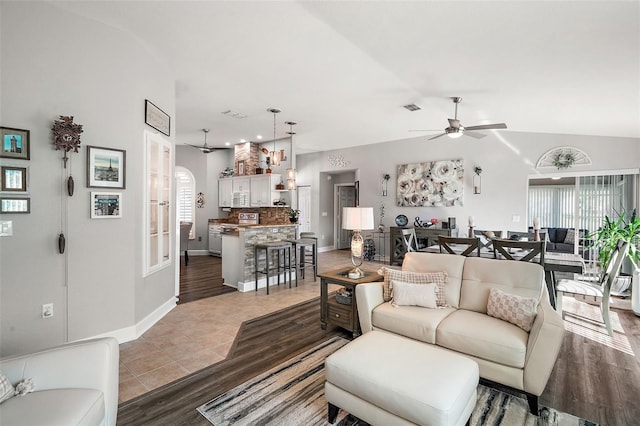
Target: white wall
(56,63)
(507,160)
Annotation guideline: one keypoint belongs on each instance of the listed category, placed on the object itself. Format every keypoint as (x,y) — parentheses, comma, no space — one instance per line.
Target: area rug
(293,394)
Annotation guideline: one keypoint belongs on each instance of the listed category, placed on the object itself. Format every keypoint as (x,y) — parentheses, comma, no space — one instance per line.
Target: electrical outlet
(6,228)
(47,310)
(515,218)
(199,237)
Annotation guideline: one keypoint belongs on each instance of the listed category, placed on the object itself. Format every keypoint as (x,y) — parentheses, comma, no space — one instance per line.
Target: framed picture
(14,179)
(157,118)
(241,167)
(430,184)
(106,167)
(15,143)
(106,205)
(15,205)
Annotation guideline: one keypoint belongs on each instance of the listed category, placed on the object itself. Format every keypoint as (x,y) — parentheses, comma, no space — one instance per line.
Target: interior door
(304,205)
(346,197)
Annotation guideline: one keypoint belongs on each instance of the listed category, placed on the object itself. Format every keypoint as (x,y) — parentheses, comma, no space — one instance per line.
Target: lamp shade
(357,218)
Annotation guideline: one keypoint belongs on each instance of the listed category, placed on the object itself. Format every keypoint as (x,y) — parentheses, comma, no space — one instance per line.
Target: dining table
(553,262)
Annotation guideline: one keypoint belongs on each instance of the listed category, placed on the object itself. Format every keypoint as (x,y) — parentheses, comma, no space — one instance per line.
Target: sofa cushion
(552,233)
(410,321)
(517,310)
(561,234)
(570,238)
(64,407)
(439,278)
(480,275)
(6,388)
(405,294)
(433,262)
(484,337)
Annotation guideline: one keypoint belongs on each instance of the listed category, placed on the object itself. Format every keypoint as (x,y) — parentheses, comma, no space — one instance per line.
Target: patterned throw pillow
(438,278)
(517,310)
(405,294)
(6,388)
(571,236)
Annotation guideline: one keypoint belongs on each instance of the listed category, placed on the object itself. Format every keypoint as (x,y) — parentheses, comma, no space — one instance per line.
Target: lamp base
(355,273)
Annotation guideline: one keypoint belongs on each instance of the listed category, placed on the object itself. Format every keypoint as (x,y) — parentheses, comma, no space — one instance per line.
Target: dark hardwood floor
(595,377)
(201,278)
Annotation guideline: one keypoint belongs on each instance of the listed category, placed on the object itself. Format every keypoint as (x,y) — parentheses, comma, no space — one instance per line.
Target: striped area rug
(293,394)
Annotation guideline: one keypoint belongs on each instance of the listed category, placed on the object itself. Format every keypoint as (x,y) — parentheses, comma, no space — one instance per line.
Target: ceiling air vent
(412,107)
(234,114)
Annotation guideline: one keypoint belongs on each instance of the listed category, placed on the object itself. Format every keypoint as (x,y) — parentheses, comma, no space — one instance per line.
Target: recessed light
(227,143)
(243,140)
(258,137)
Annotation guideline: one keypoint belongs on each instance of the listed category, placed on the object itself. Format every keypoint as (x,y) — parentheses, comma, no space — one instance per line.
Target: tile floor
(198,334)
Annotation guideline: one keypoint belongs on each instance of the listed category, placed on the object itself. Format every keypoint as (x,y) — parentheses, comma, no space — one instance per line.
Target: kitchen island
(237,253)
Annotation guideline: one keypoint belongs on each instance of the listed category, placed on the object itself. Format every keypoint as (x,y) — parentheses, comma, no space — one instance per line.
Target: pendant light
(291,171)
(274,155)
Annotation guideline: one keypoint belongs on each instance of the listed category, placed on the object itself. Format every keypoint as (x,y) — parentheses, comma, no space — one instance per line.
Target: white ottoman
(385,379)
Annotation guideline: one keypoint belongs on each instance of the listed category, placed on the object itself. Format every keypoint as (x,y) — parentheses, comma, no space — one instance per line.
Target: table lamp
(357,219)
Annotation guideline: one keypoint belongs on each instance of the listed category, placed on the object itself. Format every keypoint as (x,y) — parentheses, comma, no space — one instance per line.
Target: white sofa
(505,353)
(74,384)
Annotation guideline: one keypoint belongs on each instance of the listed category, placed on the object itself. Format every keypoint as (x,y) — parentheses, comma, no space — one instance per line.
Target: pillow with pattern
(517,310)
(570,238)
(6,388)
(405,294)
(438,278)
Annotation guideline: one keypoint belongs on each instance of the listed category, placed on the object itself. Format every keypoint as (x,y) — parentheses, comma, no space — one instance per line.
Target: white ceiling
(343,70)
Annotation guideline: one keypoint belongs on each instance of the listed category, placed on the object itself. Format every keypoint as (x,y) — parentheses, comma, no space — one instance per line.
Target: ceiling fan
(205,149)
(455,129)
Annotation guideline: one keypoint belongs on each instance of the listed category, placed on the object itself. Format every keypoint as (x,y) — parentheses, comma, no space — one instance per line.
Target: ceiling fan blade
(487,126)
(454,123)
(437,136)
(475,135)
(425,130)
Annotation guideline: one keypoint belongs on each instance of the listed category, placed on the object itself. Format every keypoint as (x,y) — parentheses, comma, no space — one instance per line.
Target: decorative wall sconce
(477,180)
(385,183)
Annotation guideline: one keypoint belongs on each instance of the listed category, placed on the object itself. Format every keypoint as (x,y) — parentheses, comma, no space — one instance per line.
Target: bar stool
(307,257)
(273,249)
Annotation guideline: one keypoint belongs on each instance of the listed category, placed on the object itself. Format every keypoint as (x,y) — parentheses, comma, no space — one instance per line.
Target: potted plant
(625,227)
(293,215)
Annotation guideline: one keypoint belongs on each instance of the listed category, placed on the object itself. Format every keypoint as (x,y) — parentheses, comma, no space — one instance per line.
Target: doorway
(304,205)
(345,196)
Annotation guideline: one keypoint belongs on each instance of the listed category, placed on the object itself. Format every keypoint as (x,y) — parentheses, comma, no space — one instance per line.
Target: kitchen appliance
(248,218)
(215,239)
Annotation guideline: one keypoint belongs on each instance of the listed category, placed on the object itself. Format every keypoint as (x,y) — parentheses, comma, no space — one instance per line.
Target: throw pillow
(517,310)
(6,388)
(570,238)
(439,278)
(405,294)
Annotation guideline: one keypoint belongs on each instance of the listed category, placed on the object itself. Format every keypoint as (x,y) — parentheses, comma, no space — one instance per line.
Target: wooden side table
(332,312)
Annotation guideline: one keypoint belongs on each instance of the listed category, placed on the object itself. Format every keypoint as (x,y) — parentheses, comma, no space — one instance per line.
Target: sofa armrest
(368,296)
(89,364)
(545,340)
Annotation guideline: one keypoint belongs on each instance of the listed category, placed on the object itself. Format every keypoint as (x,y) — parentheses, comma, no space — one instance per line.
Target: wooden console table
(332,312)
(426,236)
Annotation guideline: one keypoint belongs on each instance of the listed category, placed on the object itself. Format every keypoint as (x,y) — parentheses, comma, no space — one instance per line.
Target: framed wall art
(106,205)
(15,205)
(106,167)
(15,143)
(157,118)
(14,179)
(434,183)
(241,168)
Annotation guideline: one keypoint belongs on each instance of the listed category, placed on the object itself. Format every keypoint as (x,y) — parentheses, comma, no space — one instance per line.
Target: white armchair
(73,384)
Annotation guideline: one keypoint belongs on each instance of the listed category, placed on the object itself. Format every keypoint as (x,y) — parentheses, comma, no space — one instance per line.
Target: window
(186,198)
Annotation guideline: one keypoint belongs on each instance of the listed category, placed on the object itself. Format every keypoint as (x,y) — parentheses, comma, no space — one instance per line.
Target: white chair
(73,384)
(185,230)
(601,290)
(410,240)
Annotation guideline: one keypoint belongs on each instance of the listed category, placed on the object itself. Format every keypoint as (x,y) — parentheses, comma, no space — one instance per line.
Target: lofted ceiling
(343,70)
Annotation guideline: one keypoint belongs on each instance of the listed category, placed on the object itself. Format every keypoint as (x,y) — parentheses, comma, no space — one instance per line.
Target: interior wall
(507,160)
(51,67)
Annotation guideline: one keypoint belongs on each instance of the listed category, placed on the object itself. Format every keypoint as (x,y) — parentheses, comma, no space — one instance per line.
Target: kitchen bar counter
(237,252)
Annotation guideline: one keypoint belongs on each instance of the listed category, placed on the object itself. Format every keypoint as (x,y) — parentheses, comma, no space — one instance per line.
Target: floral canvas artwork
(431,184)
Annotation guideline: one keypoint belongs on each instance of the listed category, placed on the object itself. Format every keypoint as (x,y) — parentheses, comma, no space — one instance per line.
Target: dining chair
(526,251)
(600,290)
(486,238)
(465,246)
(410,240)
(185,229)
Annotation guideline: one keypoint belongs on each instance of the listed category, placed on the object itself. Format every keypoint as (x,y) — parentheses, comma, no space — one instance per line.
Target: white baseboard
(326,248)
(197,252)
(262,282)
(128,334)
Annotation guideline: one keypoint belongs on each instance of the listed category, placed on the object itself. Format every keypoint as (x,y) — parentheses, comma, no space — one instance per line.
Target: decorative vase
(268,171)
(635,292)
(293,219)
(259,170)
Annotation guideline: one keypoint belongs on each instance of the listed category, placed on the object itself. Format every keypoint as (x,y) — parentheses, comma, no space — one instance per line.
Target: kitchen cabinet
(241,192)
(263,190)
(225,192)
